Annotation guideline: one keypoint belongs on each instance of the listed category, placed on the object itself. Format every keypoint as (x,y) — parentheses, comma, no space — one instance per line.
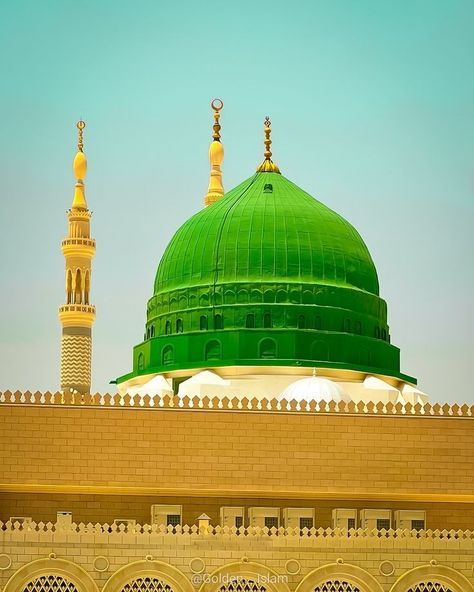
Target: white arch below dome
(314,388)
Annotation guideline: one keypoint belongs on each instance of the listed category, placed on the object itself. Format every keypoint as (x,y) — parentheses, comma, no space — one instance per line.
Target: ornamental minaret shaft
(77,315)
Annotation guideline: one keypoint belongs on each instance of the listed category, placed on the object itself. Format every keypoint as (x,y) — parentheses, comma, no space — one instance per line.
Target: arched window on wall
(203,323)
(152,332)
(267,320)
(168,328)
(179,325)
(301,322)
(50,583)
(218,322)
(239,584)
(430,587)
(337,586)
(267,349)
(250,321)
(377,332)
(146,584)
(358,328)
(141,361)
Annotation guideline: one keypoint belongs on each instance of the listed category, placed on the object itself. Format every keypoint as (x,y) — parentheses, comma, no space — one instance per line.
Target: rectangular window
(173,519)
(351,523)
(306,523)
(239,521)
(418,525)
(271,521)
(383,523)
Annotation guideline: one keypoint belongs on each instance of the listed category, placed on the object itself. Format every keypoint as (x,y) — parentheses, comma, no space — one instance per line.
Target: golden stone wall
(104,457)
(125,458)
(111,562)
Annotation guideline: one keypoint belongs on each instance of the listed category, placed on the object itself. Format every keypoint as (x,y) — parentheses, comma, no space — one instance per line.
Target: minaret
(77,315)
(267,166)
(216,156)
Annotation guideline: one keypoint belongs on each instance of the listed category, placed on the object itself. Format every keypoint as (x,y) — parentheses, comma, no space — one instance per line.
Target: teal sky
(372,103)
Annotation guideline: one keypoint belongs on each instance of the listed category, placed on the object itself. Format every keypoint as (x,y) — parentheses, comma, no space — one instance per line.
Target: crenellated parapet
(235,404)
(193,531)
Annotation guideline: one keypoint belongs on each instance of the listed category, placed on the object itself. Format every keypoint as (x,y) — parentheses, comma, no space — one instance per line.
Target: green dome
(266,276)
(266,229)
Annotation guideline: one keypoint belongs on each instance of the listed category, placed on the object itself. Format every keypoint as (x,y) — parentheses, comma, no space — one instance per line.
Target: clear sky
(372,103)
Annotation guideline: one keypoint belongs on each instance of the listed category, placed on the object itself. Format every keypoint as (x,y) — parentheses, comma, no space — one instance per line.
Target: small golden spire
(79,166)
(267,166)
(216,156)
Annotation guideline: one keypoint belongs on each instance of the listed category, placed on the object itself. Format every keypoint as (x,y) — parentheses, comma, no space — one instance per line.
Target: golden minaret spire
(77,315)
(267,166)
(216,156)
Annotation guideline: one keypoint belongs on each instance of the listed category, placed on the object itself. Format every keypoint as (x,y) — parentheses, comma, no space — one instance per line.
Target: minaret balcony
(78,246)
(77,315)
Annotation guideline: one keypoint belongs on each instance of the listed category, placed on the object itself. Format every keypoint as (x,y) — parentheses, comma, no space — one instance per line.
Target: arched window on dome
(250,321)
(267,320)
(147,333)
(152,332)
(377,332)
(213,350)
(267,349)
(256,296)
(167,355)
(168,328)
(179,325)
(203,323)
(218,322)
(347,325)
(269,296)
(301,322)
(229,297)
(358,328)
(141,361)
(384,334)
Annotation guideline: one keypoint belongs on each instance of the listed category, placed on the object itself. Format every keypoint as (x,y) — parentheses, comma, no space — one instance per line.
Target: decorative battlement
(87,242)
(87,308)
(195,531)
(226,404)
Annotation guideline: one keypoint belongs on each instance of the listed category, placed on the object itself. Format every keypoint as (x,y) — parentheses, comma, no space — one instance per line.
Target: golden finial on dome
(80,126)
(79,166)
(216,156)
(267,166)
